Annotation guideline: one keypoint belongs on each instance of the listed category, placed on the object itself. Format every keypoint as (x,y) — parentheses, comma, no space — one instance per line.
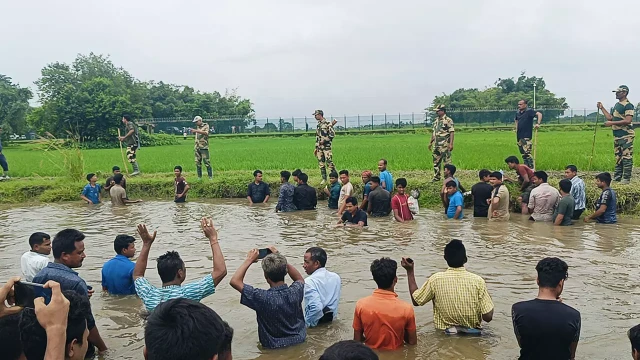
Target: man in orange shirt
(382,321)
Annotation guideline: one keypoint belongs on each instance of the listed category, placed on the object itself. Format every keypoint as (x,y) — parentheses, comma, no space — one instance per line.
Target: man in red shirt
(525,174)
(181,185)
(400,202)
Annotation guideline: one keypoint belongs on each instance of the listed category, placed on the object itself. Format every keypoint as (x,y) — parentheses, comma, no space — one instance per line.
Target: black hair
(178,167)
(37,238)
(572,168)
(65,242)
(451,183)
(496,174)
(285,175)
(115,168)
(512,159)
(303,177)
(483,173)
(525,101)
(333,174)
(384,272)
(401,182)
(455,254)
(122,243)
(451,168)
(565,185)
(634,337)
(225,348)
(117,178)
(384,161)
(34,337)
(351,200)
(296,172)
(90,175)
(375,179)
(10,337)
(349,350)
(168,266)
(127,117)
(541,175)
(551,271)
(604,177)
(344,172)
(183,329)
(318,254)
(255,173)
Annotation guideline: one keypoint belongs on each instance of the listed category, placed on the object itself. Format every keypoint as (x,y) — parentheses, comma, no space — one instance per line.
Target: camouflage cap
(440,107)
(197,118)
(318,112)
(622,88)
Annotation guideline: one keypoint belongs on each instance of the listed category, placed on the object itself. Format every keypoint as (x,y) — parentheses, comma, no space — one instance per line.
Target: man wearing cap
(324,137)
(442,136)
(132,139)
(623,134)
(202,147)
(524,131)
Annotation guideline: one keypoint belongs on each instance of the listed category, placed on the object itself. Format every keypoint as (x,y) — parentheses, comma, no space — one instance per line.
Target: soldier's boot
(210,173)
(529,162)
(136,169)
(627,169)
(199,170)
(617,175)
(323,171)
(436,177)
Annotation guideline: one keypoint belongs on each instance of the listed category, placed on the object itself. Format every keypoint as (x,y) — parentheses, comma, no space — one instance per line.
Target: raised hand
(147,239)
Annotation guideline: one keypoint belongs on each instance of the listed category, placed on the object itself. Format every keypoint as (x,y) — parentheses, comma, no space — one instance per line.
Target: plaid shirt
(459,298)
(152,296)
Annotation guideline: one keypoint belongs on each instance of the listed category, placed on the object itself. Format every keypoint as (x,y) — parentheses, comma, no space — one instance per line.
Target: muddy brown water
(603,279)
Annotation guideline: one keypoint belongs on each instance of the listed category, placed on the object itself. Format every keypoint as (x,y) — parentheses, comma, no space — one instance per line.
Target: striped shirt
(459,298)
(578,193)
(152,296)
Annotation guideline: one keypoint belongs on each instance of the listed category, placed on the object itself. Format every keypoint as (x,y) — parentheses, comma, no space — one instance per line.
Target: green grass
(405,152)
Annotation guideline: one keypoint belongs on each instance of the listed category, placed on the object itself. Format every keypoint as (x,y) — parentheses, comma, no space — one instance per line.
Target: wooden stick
(124,162)
(535,148)
(593,144)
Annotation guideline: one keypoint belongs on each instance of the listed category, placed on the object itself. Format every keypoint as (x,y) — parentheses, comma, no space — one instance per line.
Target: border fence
(367,122)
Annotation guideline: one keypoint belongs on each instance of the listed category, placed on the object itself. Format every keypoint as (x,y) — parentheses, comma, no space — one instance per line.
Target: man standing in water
(607,203)
(285,199)
(543,198)
(132,139)
(202,147)
(545,327)
(442,135)
(524,131)
(3,162)
(577,190)
(109,183)
(499,203)
(623,134)
(324,137)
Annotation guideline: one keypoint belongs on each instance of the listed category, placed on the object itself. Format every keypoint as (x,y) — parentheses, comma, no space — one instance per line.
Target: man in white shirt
(577,190)
(38,257)
(321,289)
(346,191)
(543,199)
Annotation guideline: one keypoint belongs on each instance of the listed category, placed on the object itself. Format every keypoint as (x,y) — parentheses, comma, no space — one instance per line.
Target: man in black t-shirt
(353,216)
(379,199)
(108,184)
(304,196)
(258,192)
(545,327)
(524,124)
(481,193)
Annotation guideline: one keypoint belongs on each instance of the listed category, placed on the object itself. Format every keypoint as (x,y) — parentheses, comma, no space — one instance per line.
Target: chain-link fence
(368,122)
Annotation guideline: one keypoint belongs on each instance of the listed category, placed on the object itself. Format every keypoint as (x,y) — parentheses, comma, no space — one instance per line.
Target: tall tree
(14,106)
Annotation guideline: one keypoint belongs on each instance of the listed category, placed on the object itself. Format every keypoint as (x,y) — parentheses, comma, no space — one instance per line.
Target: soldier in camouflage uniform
(623,134)
(324,137)
(202,147)
(132,140)
(442,135)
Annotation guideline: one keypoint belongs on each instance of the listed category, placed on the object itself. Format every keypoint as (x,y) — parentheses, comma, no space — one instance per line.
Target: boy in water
(333,190)
(607,204)
(454,211)
(181,185)
(91,191)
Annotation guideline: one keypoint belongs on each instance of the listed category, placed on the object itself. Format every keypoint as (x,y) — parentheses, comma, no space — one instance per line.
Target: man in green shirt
(623,135)
(201,148)
(563,214)
(442,137)
(132,139)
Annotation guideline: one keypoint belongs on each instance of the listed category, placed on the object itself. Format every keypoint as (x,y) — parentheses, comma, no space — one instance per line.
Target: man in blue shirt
(366,178)
(321,289)
(117,273)
(333,190)
(68,253)
(91,191)
(607,204)
(278,309)
(173,272)
(386,180)
(456,202)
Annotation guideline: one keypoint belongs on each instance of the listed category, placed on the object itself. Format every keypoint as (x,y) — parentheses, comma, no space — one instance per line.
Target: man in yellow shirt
(460,298)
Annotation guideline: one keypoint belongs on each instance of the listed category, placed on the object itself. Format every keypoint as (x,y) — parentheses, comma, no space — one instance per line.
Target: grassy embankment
(38,176)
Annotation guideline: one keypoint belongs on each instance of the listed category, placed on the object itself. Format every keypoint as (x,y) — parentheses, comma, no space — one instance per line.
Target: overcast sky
(346,57)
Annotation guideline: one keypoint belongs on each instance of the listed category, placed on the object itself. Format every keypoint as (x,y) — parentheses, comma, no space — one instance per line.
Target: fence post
(255,126)
(385,121)
(267,125)
(345,122)
(399,125)
(306,124)
(585,117)
(358,121)
(413,121)
(371,121)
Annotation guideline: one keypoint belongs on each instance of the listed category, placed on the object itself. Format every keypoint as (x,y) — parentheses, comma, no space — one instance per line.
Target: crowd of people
(178,326)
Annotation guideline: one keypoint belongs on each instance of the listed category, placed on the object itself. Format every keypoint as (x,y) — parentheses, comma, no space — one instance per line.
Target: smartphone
(262,253)
(26,292)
